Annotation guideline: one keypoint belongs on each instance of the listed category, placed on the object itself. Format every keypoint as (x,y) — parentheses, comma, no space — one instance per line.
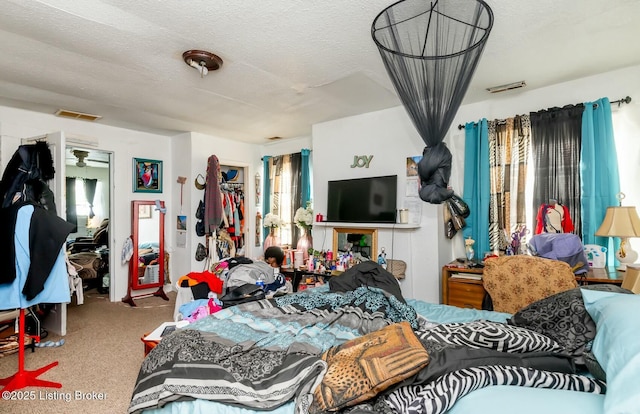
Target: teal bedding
(503,399)
(494,399)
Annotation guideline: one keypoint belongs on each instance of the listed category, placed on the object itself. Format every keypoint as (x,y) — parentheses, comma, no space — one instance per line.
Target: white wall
(390,137)
(180,257)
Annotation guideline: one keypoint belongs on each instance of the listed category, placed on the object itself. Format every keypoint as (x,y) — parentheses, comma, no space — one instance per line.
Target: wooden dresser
(462,286)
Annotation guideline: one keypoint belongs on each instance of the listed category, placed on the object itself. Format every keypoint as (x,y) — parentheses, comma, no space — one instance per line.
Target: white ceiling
(287,64)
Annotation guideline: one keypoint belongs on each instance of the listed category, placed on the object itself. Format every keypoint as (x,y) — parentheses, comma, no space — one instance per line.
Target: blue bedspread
(315,320)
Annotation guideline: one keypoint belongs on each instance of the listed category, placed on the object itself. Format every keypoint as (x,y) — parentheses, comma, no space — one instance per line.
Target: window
(282,186)
(287,188)
(83,208)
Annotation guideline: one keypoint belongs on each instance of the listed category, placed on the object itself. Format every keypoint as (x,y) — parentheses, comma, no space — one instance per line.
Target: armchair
(90,244)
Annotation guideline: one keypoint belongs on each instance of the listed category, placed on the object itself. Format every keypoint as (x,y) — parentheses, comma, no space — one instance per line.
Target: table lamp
(632,279)
(623,222)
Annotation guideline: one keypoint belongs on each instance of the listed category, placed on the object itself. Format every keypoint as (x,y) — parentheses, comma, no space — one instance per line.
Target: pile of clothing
(199,308)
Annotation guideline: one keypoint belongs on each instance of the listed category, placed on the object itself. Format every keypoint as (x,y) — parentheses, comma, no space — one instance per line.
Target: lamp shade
(621,221)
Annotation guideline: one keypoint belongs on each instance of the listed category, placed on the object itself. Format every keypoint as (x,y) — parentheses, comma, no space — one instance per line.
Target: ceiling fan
(80,155)
(82,158)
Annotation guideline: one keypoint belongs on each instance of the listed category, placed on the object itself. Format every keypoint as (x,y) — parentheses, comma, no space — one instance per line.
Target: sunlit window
(82,205)
(285,176)
(281,200)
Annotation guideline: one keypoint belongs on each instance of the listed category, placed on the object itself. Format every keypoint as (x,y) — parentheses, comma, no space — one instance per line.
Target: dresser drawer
(465,294)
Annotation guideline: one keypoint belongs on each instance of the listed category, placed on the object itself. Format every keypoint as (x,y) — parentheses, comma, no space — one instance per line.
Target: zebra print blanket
(441,394)
(501,348)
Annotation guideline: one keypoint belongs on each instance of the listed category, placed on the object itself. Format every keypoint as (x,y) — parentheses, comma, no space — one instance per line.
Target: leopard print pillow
(359,369)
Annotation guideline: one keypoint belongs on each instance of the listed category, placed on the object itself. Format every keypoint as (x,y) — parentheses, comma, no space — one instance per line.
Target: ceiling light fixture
(202,61)
(507,87)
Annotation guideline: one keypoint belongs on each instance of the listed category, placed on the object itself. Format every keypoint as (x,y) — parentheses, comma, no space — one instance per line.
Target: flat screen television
(363,200)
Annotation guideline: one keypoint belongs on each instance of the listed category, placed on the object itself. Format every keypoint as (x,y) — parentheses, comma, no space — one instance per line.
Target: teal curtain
(476,184)
(266,191)
(305,183)
(599,173)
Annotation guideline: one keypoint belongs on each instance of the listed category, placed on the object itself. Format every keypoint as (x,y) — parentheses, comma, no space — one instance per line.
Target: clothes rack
(26,378)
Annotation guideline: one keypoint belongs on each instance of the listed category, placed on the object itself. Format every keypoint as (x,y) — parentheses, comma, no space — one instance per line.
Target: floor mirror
(146,265)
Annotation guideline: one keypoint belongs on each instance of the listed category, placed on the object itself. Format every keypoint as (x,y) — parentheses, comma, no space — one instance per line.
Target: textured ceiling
(287,64)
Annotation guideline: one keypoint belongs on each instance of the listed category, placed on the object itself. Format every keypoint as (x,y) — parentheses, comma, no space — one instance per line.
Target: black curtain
(296,193)
(556,136)
(90,192)
(72,216)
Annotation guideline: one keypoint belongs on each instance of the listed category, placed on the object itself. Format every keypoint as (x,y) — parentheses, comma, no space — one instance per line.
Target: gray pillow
(563,318)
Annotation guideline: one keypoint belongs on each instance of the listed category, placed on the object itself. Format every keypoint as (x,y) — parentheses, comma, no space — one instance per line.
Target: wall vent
(507,87)
(77,115)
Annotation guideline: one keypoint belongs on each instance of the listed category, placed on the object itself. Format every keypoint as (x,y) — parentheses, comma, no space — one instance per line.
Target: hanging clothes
(127,250)
(26,175)
(233,210)
(212,197)
(37,281)
(553,218)
(47,233)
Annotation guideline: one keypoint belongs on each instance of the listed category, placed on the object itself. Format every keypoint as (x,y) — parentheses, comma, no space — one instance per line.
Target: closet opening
(232,237)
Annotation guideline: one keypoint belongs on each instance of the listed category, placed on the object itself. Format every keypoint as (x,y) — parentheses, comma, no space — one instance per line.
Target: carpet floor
(97,364)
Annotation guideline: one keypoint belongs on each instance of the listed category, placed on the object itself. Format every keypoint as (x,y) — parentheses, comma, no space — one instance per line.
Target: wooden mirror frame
(134,278)
(346,230)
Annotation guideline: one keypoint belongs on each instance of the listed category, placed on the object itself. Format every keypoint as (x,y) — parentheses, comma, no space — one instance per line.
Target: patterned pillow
(359,369)
(490,335)
(563,318)
(514,282)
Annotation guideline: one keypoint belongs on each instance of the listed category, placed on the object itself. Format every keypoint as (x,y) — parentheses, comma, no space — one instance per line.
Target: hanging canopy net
(430,50)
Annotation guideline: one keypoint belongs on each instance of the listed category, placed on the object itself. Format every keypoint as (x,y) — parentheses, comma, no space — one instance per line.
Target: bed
(356,346)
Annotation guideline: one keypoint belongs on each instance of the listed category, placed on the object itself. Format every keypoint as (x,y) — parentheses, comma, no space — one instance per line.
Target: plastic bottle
(260,281)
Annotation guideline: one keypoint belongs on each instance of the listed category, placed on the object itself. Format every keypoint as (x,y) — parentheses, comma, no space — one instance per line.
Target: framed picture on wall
(412,165)
(147,176)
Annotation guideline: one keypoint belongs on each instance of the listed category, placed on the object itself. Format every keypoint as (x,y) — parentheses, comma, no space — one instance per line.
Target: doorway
(88,201)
